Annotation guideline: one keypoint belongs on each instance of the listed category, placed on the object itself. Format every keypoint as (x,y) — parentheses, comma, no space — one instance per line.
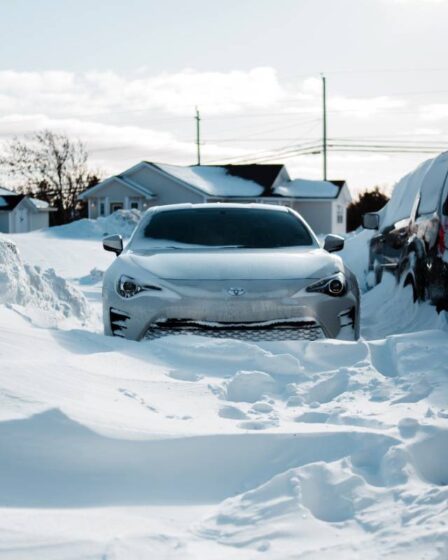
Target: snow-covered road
(193,448)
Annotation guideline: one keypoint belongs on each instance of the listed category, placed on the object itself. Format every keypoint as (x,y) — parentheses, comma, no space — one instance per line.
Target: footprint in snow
(140,400)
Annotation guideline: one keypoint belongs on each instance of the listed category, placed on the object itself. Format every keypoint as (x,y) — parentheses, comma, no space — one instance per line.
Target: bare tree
(51,167)
(371,200)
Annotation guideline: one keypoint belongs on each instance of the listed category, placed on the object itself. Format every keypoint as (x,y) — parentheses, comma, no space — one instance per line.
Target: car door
(437,261)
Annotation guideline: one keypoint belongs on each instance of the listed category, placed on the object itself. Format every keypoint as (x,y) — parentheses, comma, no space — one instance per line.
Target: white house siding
(339,213)
(4,222)
(38,220)
(166,190)
(114,192)
(319,214)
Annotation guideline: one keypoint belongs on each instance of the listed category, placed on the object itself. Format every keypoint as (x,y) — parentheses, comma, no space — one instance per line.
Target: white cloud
(113,146)
(179,93)
(364,107)
(434,111)
(124,119)
(426,131)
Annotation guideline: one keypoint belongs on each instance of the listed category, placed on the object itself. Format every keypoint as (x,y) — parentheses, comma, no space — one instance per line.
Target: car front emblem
(236,291)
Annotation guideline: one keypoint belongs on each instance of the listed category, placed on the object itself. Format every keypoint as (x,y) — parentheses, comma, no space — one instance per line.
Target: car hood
(279,264)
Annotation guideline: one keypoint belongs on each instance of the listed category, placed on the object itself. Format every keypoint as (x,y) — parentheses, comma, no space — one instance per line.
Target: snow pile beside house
(43,296)
(121,222)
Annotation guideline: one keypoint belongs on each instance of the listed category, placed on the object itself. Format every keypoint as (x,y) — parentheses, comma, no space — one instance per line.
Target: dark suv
(415,248)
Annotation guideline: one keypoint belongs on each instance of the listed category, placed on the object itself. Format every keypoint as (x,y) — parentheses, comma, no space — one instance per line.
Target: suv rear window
(250,228)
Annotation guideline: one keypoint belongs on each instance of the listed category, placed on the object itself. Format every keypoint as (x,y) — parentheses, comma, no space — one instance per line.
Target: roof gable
(123,180)
(264,175)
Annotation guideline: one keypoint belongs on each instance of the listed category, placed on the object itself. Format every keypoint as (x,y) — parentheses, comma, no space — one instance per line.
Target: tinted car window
(432,186)
(235,227)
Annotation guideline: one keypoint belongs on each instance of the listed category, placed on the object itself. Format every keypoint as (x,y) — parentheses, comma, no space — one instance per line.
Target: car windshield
(250,228)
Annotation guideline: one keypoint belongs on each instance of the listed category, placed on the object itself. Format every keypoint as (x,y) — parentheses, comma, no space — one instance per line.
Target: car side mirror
(113,243)
(445,207)
(371,221)
(333,243)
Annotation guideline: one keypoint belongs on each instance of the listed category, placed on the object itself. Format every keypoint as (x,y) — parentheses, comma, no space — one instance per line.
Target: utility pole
(198,135)
(324,125)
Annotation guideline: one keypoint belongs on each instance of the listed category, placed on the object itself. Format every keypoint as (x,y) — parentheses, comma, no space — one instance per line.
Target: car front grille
(303,330)
(118,320)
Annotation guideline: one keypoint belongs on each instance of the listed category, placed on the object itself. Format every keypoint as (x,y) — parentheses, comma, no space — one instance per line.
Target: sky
(125,77)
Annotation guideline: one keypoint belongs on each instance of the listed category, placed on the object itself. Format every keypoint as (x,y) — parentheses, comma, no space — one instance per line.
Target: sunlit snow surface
(189,448)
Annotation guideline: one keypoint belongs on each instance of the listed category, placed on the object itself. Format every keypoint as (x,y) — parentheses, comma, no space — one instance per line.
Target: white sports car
(250,271)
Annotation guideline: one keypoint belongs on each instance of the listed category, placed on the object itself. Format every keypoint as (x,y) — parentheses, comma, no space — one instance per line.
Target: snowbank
(42,296)
(121,222)
(389,308)
(356,255)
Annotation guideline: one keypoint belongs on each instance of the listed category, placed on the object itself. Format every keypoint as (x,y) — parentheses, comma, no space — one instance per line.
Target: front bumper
(258,315)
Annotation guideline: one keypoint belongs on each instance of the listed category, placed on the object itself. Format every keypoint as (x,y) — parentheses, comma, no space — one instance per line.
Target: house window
(114,206)
(102,209)
(340,214)
(135,205)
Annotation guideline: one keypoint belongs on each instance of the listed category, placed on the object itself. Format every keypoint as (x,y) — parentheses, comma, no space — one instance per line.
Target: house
(20,213)
(322,203)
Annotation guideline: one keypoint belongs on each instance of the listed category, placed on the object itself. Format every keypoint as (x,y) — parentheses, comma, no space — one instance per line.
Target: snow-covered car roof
(427,179)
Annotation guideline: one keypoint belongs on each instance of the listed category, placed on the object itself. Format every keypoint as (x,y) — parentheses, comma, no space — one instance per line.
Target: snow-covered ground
(190,448)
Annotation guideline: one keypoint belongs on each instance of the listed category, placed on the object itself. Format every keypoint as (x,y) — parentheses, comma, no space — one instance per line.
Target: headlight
(334,285)
(128,287)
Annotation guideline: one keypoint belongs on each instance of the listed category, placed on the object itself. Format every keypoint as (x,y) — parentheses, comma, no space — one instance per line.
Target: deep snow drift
(42,296)
(190,448)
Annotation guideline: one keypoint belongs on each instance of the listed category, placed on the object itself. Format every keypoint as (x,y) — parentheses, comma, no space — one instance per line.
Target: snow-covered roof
(40,204)
(214,181)
(5,192)
(306,188)
(10,201)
